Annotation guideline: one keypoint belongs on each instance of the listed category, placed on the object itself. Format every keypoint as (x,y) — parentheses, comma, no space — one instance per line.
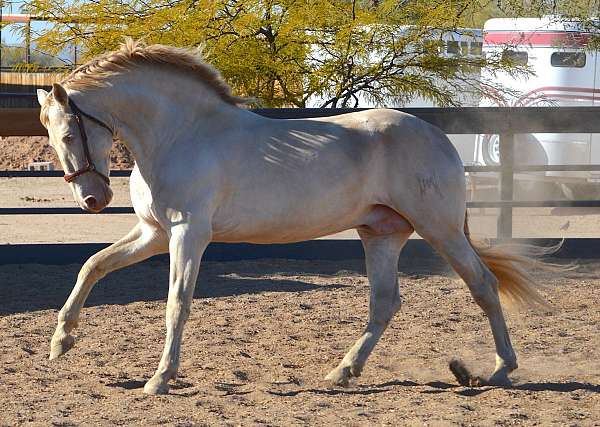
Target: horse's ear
(60,94)
(42,95)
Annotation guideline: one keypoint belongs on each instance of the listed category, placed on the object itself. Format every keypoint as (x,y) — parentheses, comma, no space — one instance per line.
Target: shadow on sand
(32,287)
(435,387)
(566,387)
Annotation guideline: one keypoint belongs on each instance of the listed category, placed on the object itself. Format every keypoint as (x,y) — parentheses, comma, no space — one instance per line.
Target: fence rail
(53,174)
(506,122)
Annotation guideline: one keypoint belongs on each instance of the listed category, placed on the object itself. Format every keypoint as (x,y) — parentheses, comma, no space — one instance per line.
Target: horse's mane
(134,53)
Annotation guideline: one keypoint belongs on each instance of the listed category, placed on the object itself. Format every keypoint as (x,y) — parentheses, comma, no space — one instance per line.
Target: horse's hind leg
(140,243)
(457,250)
(381,253)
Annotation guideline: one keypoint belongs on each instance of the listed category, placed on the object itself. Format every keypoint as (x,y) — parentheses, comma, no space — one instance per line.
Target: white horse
(208,170)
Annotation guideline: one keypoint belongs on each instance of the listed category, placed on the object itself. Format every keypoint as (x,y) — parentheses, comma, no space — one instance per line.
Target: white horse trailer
(564,74)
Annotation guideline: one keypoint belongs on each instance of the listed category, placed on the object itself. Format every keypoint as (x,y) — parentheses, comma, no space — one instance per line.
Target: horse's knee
(92,270)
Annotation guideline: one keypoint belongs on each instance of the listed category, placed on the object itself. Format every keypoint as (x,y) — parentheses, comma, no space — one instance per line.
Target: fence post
(507,156)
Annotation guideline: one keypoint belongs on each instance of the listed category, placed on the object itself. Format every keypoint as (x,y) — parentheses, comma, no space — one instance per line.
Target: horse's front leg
(142,242)
(186,246)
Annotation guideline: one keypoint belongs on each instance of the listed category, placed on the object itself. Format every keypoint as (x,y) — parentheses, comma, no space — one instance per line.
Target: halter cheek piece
(89,164)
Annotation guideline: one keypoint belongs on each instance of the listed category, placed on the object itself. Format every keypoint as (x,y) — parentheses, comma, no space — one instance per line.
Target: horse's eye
(68,139)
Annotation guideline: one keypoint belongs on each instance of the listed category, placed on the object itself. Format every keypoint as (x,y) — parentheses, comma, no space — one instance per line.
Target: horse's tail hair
(512,265)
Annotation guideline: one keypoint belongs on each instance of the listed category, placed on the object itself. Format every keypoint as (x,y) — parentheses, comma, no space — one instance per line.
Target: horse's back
(394,127)
(408,144)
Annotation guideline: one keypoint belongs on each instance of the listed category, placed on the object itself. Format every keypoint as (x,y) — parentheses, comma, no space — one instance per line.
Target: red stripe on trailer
(564,89)
(536,38)
(550,97)
(549,93)
(545,93)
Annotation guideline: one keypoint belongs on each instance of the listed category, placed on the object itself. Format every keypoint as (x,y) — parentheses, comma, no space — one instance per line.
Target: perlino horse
(208,170)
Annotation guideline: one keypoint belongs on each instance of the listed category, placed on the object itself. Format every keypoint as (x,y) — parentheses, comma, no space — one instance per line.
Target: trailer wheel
(490,150)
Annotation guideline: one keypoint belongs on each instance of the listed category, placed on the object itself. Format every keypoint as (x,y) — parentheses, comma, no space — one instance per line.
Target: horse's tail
(512,265)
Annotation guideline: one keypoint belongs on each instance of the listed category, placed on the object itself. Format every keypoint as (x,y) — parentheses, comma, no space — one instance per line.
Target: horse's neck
(153,112)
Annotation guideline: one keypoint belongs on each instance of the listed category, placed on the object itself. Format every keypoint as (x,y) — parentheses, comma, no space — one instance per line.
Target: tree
(15,57)
(285,52)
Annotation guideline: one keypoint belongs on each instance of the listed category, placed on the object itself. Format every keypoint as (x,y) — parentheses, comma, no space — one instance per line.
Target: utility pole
(28,43)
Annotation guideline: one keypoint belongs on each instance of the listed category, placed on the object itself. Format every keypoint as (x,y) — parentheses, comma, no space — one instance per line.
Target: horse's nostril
(90,202)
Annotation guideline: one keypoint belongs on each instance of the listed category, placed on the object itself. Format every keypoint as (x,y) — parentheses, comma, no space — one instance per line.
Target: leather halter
(89,163)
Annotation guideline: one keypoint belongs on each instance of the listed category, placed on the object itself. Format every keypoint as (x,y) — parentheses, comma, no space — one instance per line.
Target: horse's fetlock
(511,363)
(71,324)
(339,376)
(356,370)
(67,322)
(507,361)
(168,373)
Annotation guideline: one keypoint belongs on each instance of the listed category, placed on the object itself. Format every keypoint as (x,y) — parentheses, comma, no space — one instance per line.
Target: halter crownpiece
(89,163)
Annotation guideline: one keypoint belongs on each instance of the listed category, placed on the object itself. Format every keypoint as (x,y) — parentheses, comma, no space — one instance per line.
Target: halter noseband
(89,164)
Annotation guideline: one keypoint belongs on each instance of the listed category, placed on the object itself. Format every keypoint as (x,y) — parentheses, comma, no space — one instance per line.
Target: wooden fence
(471,120)
(19,86)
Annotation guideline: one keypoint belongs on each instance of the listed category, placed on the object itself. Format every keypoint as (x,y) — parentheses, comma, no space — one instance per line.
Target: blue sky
(12,36)
(9,35)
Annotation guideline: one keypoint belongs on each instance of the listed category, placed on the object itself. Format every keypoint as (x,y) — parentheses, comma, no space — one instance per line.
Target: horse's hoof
(464,376)
(60,345)
(499,380)
(156,386)
(339,377)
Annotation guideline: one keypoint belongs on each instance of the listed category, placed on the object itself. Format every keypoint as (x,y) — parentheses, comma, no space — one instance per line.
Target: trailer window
(452,47)
(476,48)
(568,59)
(518,58)
(462,48)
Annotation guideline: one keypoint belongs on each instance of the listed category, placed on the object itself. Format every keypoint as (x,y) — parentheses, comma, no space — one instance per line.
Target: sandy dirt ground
(263,334)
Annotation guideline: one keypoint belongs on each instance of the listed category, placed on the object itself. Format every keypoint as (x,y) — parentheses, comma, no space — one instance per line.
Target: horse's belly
(287,235)
(292,227)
